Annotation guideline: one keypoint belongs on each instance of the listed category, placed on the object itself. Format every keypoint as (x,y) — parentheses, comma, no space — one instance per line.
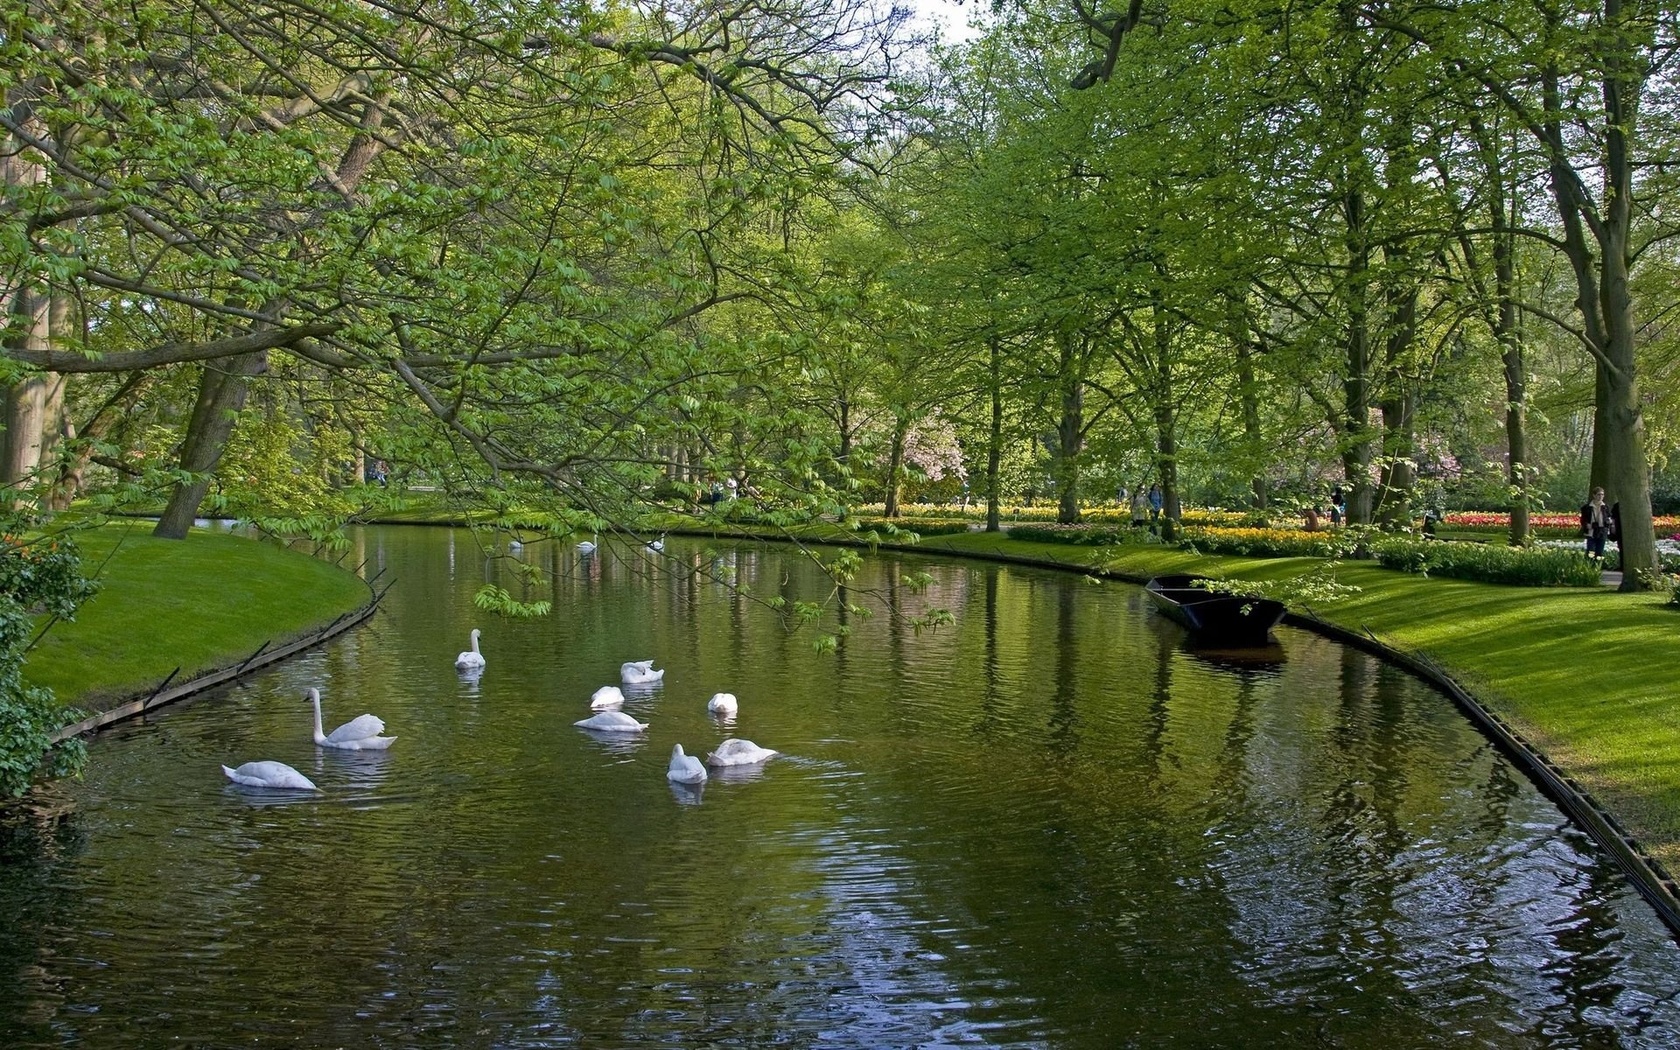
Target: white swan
(640,672)
(605,697)
(722,704)
(685,769)
(269,775)
(657,545)
(612,722)
(471,658)
(733,752)
(359,734)
(588,546)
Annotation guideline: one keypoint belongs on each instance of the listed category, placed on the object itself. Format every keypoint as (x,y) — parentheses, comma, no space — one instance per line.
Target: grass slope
(196,604)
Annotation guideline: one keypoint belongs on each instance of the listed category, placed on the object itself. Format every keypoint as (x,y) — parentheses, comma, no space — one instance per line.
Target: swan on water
(359,734)
(471,658)
(269,775)
(657,545)
(605,697)
(685,769)
(612,722)
(640,672)
(588,546)
(733,752)
(722,704)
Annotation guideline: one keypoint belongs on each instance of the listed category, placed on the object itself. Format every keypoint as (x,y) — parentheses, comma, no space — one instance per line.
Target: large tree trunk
(1355,422)
(56,433)
(1516,381)
(895,465)
(1602,292)
(1399,404)
(1251,415)
(57,429)
(1070,429)
(222,390)
(1166,426)
(1398,473)
(1598,473)
(994,441)
(26,400)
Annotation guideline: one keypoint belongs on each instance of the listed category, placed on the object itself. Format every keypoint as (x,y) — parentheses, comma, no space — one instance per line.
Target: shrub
(1488,562)
(37,576)
(1079,535)
(920,526)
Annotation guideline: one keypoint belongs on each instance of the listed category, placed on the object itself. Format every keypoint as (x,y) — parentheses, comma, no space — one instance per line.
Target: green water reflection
(1050,825)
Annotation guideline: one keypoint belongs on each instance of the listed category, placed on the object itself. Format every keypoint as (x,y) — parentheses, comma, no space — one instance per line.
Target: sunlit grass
(195,604)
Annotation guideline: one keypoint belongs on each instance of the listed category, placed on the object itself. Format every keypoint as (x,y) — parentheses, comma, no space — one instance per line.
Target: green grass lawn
(196,604)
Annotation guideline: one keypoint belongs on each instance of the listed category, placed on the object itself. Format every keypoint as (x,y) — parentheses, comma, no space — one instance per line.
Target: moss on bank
(196,604)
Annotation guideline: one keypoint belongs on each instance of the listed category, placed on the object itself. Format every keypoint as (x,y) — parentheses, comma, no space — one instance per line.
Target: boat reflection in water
(1264,661)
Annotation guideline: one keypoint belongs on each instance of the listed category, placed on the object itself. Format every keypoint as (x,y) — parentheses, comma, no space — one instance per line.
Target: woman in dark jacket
(1597,523)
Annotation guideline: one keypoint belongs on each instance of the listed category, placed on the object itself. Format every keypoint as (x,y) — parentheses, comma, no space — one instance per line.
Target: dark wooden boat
(1215,618)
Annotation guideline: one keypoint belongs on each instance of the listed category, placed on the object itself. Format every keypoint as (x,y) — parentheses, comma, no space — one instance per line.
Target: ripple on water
(1051,824)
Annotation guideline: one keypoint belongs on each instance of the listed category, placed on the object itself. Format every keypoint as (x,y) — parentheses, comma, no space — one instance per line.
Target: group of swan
(361,733)
(590,545)
(684,768)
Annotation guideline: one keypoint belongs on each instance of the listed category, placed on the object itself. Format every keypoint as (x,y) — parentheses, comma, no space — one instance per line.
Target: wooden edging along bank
(166,694)
(1648,876)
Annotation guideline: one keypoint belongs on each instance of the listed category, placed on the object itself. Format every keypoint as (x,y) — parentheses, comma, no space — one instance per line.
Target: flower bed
(1548,524)
(1270,543)
(1488,562)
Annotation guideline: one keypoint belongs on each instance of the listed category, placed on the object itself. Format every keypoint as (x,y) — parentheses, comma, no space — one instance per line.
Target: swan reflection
(737,774)
(615,743)
(687,794)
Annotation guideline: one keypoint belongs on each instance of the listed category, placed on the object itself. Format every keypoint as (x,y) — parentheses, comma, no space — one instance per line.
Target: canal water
(1050,824)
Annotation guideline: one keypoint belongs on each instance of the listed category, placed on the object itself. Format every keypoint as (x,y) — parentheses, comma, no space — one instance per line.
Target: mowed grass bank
(199,603)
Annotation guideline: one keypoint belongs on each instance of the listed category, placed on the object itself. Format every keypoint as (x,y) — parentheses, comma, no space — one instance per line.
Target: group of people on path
(1314,517)
(1146,508)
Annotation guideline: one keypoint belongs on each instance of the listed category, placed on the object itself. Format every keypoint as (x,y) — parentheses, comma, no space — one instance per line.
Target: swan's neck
(320,737)
(475,641)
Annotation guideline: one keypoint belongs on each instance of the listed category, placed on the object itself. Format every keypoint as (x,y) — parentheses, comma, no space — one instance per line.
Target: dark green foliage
(920,526)
(37,576)
(1078,535)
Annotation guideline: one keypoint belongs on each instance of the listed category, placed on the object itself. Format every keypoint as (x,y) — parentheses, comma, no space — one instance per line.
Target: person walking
(1156,502)
(1597,522)
(1140,509)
